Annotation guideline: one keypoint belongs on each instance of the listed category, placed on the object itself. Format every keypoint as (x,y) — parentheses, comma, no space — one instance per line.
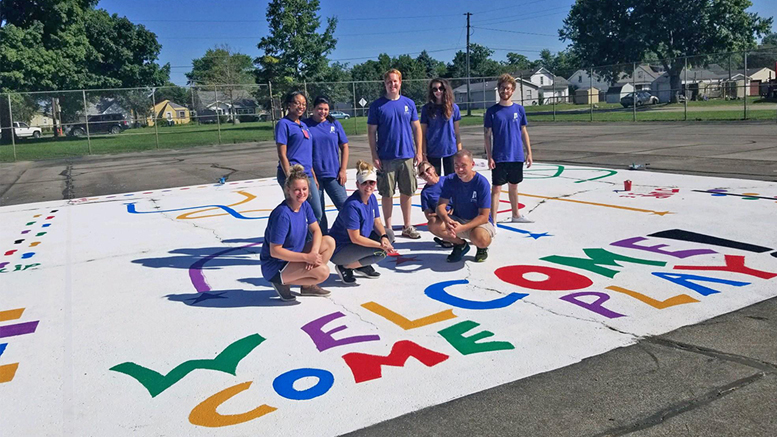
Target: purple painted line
(18,329)
(195,270)
(26,232)
(3,264)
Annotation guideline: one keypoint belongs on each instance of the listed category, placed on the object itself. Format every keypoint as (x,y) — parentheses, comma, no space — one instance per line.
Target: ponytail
(296,172)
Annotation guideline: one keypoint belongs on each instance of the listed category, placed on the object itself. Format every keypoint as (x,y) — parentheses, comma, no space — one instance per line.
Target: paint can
(627,185)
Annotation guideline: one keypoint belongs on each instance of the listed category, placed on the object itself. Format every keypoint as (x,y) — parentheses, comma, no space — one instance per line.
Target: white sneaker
(520,219)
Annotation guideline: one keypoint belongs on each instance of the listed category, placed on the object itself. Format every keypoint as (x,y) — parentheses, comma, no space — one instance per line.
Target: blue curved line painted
(131,209)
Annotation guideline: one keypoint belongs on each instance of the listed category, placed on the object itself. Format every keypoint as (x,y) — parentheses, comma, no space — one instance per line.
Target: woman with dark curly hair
(440,126)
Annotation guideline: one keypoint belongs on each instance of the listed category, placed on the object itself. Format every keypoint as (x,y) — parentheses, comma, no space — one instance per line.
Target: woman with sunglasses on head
(358,231)
(295,146)
(440,126)
(287,259)
(328,165)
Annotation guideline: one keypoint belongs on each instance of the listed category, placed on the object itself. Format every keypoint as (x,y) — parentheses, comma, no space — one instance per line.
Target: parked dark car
(643,98)
(101,124)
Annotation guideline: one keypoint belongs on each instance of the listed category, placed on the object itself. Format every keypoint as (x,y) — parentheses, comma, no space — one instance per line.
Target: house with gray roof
(552,87)
(208,103)
(485,94)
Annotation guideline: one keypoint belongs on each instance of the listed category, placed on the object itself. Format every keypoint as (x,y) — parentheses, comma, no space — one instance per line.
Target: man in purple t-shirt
(469,192)
(506,121)
(394,134)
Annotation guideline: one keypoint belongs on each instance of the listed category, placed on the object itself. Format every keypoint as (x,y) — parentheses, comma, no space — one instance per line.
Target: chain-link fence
(38,125)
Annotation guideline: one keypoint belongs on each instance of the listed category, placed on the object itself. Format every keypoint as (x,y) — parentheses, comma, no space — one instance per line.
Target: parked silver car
(643,98)
(339,115)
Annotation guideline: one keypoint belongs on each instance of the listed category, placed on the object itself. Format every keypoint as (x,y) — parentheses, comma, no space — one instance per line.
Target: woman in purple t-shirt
(286,258)
(295,146)
(330,155)
(358,232)
(440,126)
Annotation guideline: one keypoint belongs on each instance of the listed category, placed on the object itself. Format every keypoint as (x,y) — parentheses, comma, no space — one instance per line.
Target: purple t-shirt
(506,123)
(299,145)
(440,134)
(354,215)
(468,197)
(287,228)
(327,138)
(395,134)
(430,195)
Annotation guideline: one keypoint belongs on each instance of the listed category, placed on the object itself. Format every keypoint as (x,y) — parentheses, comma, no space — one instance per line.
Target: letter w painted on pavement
(226,362)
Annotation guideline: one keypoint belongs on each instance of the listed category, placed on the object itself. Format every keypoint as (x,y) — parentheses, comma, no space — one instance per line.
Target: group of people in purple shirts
(461,205)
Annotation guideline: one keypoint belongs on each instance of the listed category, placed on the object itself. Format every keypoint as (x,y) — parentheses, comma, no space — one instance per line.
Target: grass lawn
(192,135)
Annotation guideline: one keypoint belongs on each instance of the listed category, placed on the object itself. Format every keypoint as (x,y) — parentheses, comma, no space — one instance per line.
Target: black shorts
(507,172)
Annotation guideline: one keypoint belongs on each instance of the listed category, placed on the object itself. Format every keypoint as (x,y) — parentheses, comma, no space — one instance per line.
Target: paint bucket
(627,185)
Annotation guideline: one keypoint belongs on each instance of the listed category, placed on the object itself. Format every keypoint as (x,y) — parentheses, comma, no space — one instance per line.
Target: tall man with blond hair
(505,123)
(394,134)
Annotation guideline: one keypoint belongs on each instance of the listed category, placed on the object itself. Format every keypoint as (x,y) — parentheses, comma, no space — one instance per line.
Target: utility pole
(469,97)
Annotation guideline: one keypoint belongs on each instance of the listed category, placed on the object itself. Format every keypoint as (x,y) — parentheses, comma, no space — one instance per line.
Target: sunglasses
(369,183)
(438,88)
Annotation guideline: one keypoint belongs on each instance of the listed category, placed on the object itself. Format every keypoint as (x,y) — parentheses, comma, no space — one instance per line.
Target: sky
(365,28)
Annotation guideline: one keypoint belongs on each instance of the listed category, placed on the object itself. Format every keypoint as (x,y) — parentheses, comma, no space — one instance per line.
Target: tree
(766,56)
(221,66)
(481,64)
(47,47)
(296,50)
(517,62)
(608,32)
(432,67)
(231,73)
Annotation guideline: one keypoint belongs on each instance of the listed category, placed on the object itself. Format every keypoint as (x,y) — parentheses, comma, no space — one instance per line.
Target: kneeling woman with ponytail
(360,236)
(286,258)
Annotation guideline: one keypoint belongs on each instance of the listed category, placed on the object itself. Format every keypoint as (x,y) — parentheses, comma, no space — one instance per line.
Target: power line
(515,31)
(408,53)
(381,18)
(257,38)
(524,17)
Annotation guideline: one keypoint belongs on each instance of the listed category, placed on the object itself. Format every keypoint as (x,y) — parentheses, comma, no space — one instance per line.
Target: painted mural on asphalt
(146,312)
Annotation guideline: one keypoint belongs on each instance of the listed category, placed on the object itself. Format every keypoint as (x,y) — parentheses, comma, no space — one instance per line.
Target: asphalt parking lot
(718,377)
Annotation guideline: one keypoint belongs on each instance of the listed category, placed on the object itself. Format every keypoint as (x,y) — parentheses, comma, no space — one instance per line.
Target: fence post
(355,124)
(685,90)
(520,81)
(218,117)
(193,108)
(13,131)
(554,96)
(746,85)
(591,92)
(634,92)
(154,116)
(86,123)
(272,104)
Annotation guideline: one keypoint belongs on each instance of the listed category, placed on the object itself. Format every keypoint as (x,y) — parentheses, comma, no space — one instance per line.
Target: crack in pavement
(565,196)
(763,366)
(68,192)
(682,407)
(226,176)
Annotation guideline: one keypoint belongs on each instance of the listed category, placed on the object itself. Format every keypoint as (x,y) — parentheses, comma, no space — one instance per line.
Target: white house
(552,87)
(485,94)
(642,79)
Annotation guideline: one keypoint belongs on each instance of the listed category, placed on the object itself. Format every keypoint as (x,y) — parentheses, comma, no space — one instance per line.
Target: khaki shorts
(488,226)
(397,171)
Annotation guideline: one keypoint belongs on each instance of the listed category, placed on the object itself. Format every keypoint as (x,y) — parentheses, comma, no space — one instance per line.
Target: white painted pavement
(113,309)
